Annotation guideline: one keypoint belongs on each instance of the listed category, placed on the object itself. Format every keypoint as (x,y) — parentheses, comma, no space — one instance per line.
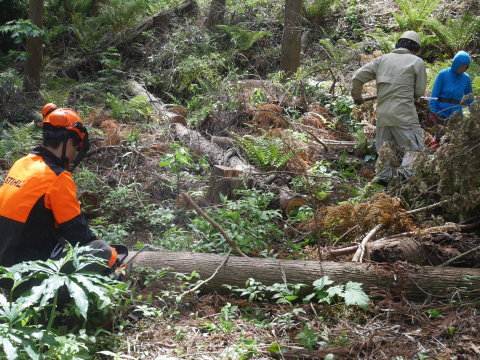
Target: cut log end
(293,203)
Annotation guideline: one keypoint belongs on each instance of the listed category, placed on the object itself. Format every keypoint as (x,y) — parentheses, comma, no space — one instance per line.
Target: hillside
(201,145)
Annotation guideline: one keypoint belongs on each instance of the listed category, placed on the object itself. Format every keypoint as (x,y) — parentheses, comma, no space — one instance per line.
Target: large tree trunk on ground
(415,282)
(216,14)
(197,143)
(138,90)
(292,33)
(33,64)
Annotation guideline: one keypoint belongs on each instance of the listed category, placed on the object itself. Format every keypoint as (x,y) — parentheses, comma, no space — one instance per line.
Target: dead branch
(358,256)
(213,222)
(466,253)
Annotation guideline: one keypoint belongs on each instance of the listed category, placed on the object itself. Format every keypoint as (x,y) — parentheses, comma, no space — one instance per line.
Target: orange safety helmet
(63,118)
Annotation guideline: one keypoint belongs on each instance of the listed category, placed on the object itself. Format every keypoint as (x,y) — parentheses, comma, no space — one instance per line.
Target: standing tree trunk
(216,14)
(292,34)
(33,64)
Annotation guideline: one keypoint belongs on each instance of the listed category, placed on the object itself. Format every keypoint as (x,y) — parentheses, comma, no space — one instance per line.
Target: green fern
(57,91)
(242,39)
(267,153)
(17,141)
(455,34)
(414,13)
(315,10)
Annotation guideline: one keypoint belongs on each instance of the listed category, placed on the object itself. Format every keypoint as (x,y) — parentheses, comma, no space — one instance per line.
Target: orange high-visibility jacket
(39,208)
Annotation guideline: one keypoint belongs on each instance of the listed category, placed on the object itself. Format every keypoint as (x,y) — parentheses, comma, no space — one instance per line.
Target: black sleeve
(77,230)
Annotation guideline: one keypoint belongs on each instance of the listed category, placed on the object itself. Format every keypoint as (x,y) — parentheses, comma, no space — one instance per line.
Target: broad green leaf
(79,296)
(52,285)
(336,290)
(274,348)
(319,284)
(291,297)
(91,287)
(354,295)
(9,349)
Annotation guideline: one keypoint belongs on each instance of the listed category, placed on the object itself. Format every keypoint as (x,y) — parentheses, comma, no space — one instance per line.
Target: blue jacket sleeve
(437,88)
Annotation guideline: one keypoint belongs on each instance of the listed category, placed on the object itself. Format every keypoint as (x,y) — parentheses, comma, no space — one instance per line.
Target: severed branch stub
(213,222)
(358,256)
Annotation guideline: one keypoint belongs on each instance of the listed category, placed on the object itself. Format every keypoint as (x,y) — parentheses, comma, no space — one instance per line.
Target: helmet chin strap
(64,157)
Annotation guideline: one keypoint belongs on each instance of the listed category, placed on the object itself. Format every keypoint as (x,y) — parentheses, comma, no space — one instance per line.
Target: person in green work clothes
(401,77)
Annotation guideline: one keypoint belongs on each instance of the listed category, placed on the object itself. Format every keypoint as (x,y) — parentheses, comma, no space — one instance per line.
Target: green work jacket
(401,77)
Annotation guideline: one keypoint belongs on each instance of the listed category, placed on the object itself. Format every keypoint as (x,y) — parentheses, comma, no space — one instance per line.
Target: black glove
(358,101)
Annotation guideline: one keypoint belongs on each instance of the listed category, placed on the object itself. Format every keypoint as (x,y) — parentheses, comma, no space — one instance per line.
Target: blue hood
(460,59)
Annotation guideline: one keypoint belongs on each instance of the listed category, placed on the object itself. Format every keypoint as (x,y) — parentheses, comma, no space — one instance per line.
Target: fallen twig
(206,280)
(466,253)
(213,222)
(433,206)
(358,256)
(317,139)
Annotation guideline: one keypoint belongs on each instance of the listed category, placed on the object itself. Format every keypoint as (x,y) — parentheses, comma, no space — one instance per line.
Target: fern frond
(455,34)
(414,13)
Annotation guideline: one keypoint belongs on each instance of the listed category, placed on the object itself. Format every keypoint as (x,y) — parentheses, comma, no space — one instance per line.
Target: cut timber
(223,181)
(288,200)
(415,282)
(163,19)
(223,141)
(138,90)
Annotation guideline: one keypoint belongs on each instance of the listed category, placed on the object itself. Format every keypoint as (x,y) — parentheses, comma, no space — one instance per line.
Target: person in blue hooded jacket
(450,86)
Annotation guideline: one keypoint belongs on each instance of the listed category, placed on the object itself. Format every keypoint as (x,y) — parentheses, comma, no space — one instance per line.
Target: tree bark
(223,181)
(33,64)
(216,14)
(291,40)
(197,143)
(415,282)
(138,90)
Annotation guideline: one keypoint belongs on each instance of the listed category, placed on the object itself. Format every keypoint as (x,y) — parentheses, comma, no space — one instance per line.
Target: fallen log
(138,90)
(414,282)
(199,144)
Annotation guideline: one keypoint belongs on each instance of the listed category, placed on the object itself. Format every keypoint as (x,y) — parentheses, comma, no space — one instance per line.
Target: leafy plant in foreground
(352,292)
(22,329)
(324,292)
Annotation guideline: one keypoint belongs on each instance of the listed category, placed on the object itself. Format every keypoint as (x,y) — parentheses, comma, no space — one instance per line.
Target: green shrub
(247,221)
(17,141)
(58,90)
(25,334)
(243,39)
(414,13)
(455,34)
(134,110)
